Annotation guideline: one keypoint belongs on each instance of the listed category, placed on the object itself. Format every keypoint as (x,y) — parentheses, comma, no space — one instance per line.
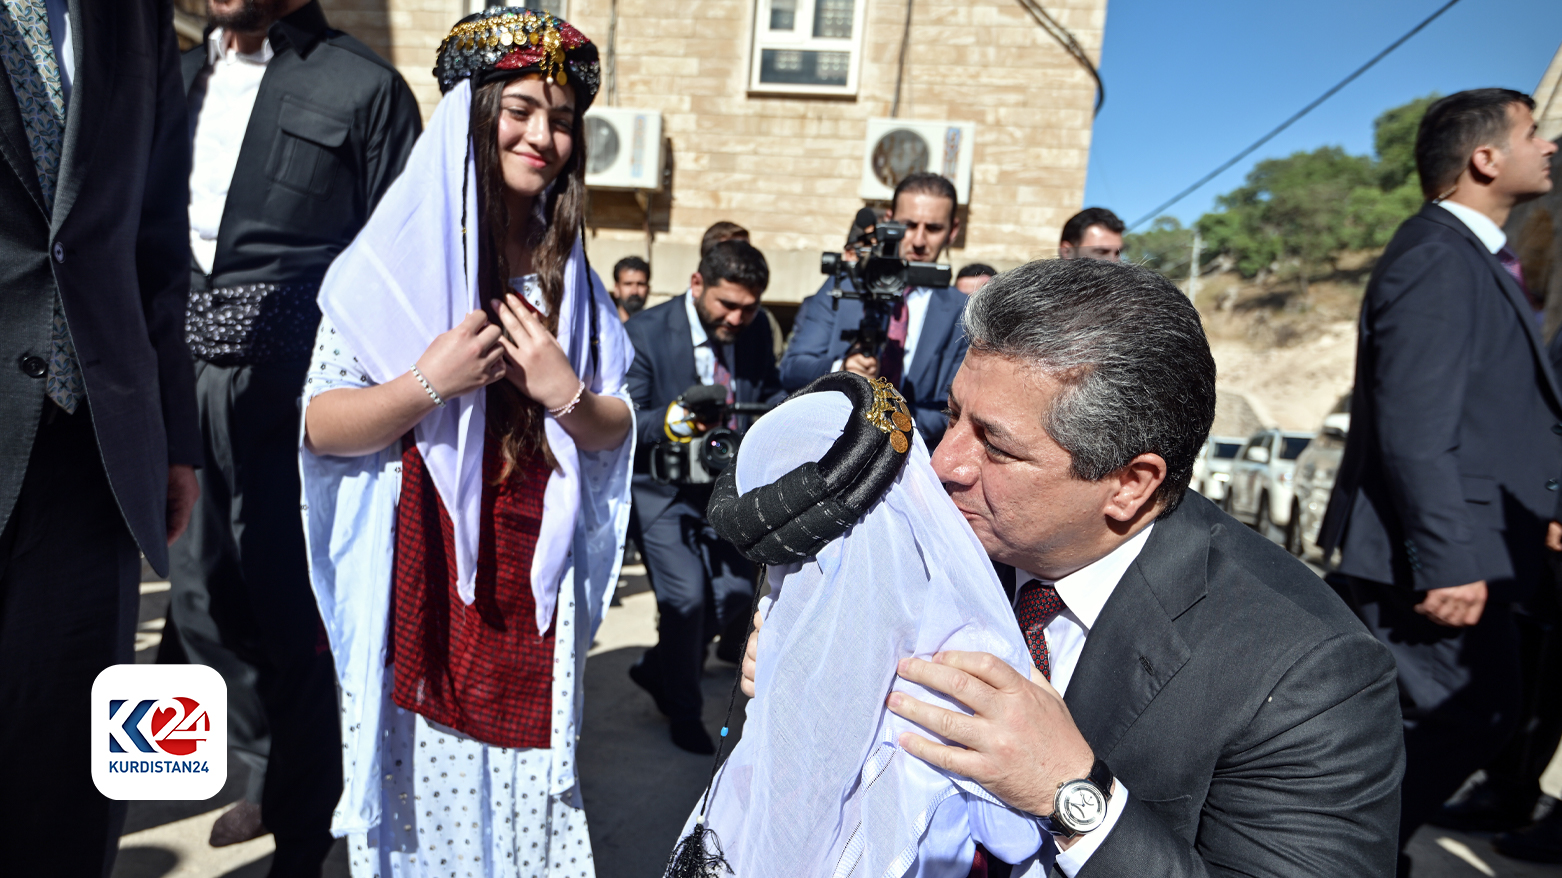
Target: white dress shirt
(231,86)
(1489,232)
(1084,593)
(704,349)
(64,50)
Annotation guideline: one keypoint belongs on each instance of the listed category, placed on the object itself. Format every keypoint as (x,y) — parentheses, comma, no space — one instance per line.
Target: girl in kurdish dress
(466,453)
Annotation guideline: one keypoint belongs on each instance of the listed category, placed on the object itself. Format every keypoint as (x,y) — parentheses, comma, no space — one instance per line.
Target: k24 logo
(175,726)
(159,732)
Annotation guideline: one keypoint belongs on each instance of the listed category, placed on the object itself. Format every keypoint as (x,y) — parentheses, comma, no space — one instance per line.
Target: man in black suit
(1444,492)
(96,392)
(1202,702)
(707,336)
(925,344)
(284,173)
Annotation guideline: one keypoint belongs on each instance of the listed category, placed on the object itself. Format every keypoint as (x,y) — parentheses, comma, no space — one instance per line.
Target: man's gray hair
(1128,348)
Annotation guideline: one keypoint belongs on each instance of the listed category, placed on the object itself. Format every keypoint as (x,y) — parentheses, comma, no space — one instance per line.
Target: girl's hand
(535,359)
(465,358)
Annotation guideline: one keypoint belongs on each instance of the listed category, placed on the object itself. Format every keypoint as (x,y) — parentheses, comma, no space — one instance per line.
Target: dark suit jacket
(116,249)
(664,368)
(1449,471)
(1253,719)
(817,344)
(332,127)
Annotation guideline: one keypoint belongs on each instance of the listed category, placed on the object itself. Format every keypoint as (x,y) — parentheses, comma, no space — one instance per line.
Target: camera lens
(719,449)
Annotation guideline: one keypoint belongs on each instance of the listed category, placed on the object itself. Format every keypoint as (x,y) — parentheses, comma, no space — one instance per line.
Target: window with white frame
(557,7)
(807,46)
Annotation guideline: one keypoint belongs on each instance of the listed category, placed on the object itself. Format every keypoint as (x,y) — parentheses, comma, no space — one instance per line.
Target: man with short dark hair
(973,277)
(707,336)
(924,344)
(1448,479)
(631,284)
(721,230)
(1093,233)
(1201,702)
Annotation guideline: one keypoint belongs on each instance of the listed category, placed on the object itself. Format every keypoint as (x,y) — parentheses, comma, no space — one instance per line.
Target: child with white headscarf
(819,785)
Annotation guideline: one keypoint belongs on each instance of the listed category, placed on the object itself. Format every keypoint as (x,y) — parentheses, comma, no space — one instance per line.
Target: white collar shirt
(917,299)
(232,80)
(1084,593)
(704,349)
(64,50)
(1490,233)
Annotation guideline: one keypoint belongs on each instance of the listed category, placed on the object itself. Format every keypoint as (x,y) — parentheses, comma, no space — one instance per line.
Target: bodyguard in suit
(100,442)
(925,343)
(1447,482)
(1202,702)
(703,337)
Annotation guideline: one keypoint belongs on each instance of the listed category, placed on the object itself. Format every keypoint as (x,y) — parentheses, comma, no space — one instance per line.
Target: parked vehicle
(1260,490)
(1212,471)
(1316,468)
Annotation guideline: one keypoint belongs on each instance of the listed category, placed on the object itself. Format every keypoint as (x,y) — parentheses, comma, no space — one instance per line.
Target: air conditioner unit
(623,148)
(897,148)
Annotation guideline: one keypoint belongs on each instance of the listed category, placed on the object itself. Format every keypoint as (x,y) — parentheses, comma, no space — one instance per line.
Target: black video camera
(700,460)
(879,278)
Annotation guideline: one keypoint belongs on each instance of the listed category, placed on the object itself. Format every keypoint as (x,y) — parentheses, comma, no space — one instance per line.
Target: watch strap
(1102,777)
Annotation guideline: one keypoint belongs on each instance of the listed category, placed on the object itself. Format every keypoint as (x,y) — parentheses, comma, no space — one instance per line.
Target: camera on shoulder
(879,278)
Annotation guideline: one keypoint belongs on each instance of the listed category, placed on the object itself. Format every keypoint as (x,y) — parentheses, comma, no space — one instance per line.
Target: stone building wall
(787,167)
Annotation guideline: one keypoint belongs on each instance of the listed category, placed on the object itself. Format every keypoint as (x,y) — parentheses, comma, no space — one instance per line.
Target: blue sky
(1189,83)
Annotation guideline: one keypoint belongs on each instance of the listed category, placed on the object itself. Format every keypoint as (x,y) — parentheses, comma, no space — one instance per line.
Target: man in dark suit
(1202,703)
(96,394)
(1446,485)
(284,173)
(707,336)
(925,344)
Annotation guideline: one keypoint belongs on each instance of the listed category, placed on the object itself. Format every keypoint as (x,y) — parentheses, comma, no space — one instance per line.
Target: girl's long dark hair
(515,420)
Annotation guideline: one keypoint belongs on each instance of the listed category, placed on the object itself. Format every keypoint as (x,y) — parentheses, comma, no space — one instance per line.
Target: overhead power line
(1069,44)
(1299,114)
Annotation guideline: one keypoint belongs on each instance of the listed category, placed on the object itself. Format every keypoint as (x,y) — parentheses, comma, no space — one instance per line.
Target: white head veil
(818,785)
(410,275)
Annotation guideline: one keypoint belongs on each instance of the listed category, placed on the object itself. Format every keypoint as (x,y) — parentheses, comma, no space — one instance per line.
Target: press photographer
(685,349)
(920,345)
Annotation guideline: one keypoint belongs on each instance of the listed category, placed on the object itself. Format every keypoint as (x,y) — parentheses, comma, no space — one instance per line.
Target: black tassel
(698,855)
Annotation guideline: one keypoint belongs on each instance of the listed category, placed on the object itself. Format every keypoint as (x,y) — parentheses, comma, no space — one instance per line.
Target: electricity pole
(1193,267)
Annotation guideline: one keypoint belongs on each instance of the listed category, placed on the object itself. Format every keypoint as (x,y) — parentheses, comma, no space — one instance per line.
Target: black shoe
(690,735)
(1490,806)
(1539,842)
(645,679)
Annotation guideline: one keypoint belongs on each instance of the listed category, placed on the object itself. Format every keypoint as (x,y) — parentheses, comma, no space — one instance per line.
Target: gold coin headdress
(510,40)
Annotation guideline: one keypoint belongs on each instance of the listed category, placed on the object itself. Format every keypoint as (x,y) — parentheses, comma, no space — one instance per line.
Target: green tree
(1394,141)
(1165,247)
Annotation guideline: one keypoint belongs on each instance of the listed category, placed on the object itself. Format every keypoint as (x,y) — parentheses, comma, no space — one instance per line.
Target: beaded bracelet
(568,407)
(426,386)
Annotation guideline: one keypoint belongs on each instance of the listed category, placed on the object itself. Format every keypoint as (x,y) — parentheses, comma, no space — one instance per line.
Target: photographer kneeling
(706,337)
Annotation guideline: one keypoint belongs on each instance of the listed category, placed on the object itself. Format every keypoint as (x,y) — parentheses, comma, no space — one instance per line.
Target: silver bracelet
(568,407)
(426,386)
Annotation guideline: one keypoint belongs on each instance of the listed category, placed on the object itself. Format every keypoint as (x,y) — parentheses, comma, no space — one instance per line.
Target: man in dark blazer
(932,351)
(1202,703)
(100,442)
(707,336)
(1447,482)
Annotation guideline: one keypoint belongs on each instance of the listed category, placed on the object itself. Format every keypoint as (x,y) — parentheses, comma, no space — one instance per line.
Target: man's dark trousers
(242,602)
(702,585)
(69,575)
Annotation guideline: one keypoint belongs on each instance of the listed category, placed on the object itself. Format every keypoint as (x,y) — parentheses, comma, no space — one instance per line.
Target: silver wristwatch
(1080,805)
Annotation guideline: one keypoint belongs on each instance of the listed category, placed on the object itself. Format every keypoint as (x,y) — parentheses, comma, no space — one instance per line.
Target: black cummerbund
(252,323)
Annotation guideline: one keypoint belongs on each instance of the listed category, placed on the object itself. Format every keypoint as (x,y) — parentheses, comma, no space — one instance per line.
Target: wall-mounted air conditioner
(623,148)
(896,148)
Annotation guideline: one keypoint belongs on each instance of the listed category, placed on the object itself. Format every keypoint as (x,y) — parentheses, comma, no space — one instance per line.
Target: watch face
(1080,806)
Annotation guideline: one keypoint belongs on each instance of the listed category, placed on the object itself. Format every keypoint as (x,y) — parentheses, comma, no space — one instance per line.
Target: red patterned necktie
(1510,261)
(1038,605)
(724,378)
(893,360)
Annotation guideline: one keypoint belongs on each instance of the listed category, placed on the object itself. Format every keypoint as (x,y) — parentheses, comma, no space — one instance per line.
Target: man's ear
(1486,163)
(1134,489)
(696,284)
(1065,250)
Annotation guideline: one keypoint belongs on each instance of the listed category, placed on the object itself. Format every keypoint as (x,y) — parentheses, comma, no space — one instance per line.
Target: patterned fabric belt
(252,323)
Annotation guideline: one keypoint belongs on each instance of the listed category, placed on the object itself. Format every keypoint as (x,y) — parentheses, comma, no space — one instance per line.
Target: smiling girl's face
(536,133)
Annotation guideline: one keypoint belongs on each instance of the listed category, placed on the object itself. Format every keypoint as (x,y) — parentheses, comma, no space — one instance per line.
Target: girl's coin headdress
(506,41)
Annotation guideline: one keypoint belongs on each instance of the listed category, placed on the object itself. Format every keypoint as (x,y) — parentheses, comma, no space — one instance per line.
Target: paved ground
(638,788)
